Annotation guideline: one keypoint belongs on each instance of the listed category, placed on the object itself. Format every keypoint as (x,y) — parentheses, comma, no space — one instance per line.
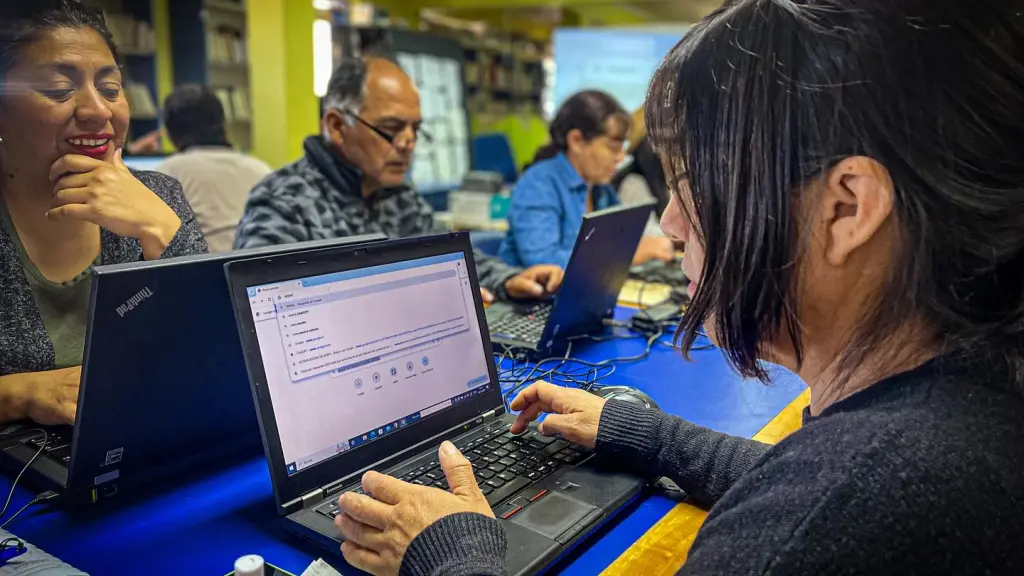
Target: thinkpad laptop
(594,277)
(163,388)
(368,358)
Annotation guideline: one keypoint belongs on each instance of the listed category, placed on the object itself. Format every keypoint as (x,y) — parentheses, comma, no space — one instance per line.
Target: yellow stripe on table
(662,550)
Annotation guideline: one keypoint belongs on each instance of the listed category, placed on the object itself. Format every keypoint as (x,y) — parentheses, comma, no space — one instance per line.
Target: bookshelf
(131,24)
(504,74)
(209,45)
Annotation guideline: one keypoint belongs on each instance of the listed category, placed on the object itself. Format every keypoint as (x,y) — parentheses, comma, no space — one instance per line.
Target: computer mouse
(626,394)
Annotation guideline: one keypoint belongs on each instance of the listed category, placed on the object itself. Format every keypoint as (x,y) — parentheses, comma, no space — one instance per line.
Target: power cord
(48,495)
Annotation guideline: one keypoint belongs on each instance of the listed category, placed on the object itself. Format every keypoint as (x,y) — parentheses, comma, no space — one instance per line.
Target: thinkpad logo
(134,301)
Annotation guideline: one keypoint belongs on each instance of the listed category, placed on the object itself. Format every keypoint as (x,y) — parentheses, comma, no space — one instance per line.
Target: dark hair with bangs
(22,22)
(764,96)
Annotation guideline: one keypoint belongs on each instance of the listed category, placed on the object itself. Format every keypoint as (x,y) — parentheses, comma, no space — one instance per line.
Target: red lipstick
(92,145)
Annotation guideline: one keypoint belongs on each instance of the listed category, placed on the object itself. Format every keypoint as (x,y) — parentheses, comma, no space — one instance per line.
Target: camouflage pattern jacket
(320,197)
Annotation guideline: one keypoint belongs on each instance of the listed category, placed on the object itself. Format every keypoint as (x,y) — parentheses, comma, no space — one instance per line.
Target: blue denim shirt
(546,213)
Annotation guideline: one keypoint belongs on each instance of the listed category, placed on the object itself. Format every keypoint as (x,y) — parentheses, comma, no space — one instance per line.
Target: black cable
(586,379)
(591,381)
(675,326)
(10,495)
(48,495)
(591,375)
(16,543)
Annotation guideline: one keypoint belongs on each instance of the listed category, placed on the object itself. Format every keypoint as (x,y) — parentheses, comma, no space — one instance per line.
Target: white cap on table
(251,565)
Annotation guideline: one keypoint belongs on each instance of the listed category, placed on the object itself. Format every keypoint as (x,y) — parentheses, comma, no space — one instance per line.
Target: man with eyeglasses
(352,179)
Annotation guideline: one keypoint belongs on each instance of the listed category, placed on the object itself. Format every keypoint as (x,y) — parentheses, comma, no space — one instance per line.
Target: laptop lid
(596,271)
(363,356)
(164,385)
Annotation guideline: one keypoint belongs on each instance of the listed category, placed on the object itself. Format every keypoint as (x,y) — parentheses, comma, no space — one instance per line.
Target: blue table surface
(206,522)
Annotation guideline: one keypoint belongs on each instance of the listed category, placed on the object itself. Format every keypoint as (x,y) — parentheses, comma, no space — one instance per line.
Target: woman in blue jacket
(568,178)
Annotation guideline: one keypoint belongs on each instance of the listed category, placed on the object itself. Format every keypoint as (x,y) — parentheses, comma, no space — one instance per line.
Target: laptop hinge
(310,499)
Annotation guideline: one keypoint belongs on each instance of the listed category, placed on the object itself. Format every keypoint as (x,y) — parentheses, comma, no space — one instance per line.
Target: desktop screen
(618,61)
(353,356)
(442,160)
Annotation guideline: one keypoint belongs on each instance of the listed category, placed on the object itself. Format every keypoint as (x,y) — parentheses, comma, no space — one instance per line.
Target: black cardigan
(922,473)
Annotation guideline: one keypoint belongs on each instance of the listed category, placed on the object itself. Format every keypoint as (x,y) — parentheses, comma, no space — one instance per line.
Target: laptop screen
(144,163)
(356,355)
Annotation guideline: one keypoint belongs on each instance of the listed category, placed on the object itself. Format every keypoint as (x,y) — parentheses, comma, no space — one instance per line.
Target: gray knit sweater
(922,473)
(24,344)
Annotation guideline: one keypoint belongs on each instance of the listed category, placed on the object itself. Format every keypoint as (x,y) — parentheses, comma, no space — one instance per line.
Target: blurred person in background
(642,179)
(571,177)
(216,177)
(352,179)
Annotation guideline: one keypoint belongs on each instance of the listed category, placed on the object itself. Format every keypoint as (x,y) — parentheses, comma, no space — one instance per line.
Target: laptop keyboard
(504,465)
(527,326)
(58,446)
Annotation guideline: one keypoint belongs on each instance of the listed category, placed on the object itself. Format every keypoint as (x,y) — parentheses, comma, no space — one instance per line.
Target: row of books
(133,36)
(226,47)
(235,102)
(140,100)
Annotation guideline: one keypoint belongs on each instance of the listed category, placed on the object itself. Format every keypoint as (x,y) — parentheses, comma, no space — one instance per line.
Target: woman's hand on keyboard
(379,529)
(572,413)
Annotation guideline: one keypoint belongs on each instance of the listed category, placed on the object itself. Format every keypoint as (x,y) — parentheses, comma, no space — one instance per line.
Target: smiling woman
(67,201)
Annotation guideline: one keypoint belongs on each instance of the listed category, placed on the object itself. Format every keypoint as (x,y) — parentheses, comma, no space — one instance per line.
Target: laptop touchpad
(554,515)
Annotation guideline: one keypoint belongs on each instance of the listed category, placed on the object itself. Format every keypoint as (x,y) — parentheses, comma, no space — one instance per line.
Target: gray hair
(347,86)
(346,90)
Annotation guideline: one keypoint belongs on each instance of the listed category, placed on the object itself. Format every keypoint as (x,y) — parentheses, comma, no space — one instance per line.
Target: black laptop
(594,277)
(368,358)
(163,387)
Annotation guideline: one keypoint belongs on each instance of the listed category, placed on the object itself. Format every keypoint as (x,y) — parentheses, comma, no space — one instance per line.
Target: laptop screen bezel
(245,273)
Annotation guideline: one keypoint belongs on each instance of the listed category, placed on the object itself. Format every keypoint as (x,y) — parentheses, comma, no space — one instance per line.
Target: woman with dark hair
(67,201)
(570,177)
(847,176)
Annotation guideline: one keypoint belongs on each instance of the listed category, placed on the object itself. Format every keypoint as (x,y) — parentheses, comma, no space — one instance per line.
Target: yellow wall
(284,108)
(164,58)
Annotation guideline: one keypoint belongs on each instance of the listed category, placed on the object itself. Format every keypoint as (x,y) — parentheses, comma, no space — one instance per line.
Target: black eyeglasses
(417,130)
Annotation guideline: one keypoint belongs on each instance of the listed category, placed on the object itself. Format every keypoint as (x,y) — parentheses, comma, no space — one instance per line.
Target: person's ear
(335,127)
(856,204)
(574,140)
